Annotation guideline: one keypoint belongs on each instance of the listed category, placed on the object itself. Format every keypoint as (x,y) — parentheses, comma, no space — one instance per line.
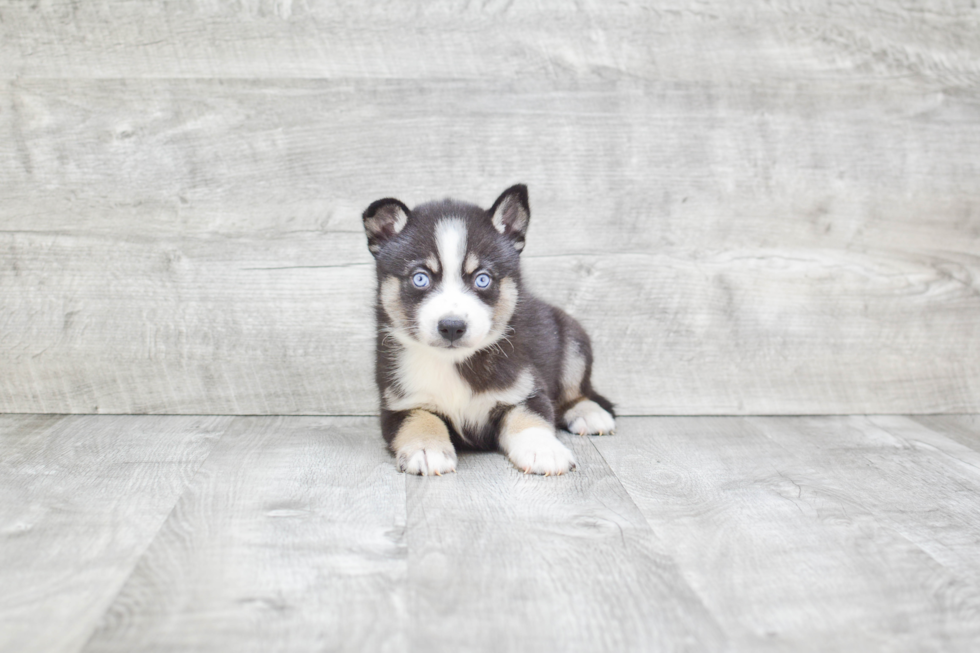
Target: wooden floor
(138,533)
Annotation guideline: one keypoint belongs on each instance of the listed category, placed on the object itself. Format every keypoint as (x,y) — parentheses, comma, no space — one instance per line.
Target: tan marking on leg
(433,263)
(572,371)
(422,445)
(520,418)
(471,264)
(420,428)
(529,442)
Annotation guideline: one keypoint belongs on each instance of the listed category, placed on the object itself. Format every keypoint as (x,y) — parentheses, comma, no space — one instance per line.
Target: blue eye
(420,280)
(482,280)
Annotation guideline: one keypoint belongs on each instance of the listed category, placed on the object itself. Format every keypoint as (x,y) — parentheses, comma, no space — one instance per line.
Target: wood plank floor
(182,533)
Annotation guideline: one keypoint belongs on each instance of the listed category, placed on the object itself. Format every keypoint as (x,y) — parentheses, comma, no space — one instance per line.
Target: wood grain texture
(503,561)
(901,460)
(291,537)
(612,165)
(964,429)
(813,533)
(176,533)
(224,270)
(80,500)
(766,208)
(451,39)
(189,326)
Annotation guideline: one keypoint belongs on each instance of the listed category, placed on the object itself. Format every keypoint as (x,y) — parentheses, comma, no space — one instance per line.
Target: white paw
(589,418)
(538,451)
(426,462)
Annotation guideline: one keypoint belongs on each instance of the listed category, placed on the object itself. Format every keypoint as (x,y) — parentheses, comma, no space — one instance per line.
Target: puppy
(466,357)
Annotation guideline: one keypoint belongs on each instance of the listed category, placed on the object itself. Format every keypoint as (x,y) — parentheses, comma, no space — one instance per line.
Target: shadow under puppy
(466,357)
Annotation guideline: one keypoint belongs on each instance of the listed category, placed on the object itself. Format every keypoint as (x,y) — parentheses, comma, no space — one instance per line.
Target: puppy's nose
(452,329)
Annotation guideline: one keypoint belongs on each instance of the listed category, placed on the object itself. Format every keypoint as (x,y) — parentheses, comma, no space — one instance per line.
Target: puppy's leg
(529,441)
(421,443)
(586,417)
(584,411)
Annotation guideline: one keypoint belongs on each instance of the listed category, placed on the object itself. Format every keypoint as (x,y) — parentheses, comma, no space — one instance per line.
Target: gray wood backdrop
(754,207)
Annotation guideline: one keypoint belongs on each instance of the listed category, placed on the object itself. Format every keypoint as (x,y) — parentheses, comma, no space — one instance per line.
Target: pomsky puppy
(466,357)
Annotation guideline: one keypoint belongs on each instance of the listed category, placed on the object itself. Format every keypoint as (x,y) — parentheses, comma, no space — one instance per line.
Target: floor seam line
(149,543)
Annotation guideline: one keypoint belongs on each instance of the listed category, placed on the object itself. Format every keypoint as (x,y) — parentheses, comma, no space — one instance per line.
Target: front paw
(538,451)
(589,418)
(427,461)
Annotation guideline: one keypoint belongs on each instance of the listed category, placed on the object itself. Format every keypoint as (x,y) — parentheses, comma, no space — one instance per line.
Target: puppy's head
(448,272)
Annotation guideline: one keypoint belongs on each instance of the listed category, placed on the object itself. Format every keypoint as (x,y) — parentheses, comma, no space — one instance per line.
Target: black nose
(452,330)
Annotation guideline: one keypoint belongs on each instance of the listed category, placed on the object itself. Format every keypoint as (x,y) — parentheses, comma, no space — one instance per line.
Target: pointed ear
(384,220)
(511,214)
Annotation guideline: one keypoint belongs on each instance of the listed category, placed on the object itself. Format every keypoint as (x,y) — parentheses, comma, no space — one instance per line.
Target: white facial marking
(451,243)
(453,298)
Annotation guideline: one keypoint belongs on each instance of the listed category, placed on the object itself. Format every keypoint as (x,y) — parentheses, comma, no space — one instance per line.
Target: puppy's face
(448,272)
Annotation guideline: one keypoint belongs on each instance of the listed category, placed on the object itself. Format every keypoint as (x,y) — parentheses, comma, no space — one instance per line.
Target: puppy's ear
(384,220)
(511,214)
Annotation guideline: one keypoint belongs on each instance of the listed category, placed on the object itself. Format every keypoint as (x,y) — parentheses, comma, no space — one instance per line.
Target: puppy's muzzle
(452,329)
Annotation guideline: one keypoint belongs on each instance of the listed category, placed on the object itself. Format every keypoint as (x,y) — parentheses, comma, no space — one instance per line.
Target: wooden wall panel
(192,325)
(748,41)
(768,211)
(209,326)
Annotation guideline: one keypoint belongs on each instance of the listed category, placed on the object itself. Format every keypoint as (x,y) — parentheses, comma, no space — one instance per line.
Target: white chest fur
(427,378)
